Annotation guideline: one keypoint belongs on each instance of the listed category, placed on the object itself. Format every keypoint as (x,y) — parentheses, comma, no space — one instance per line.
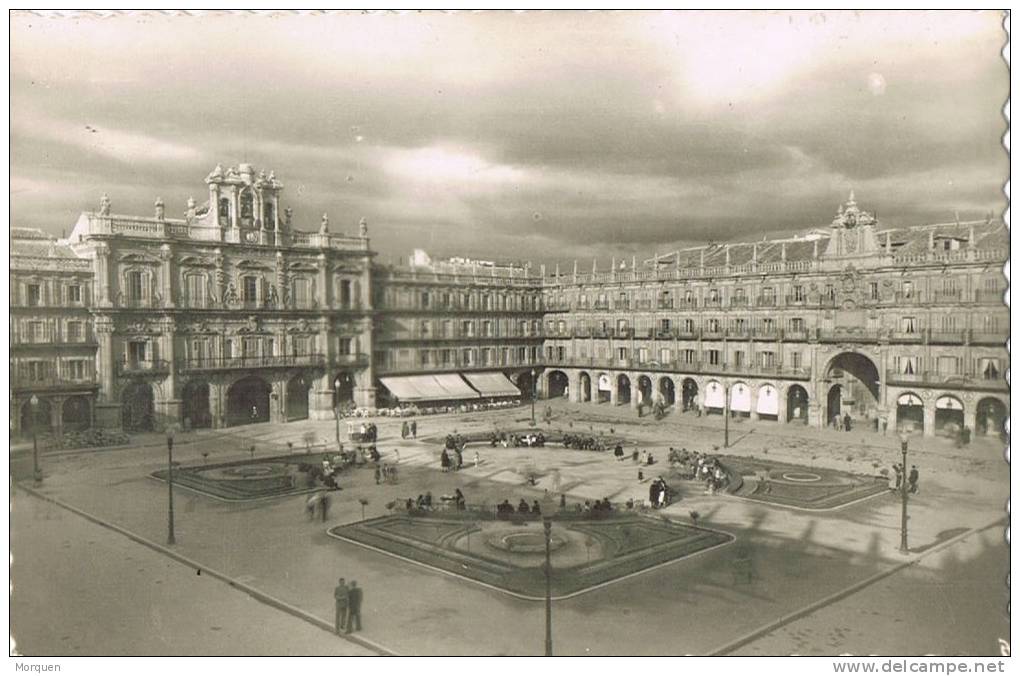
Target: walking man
(341,594)
(914,476)
(414,429)
(354,597)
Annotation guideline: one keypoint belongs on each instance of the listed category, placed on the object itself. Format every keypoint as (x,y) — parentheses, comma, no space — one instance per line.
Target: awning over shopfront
(492,384)
(428,387)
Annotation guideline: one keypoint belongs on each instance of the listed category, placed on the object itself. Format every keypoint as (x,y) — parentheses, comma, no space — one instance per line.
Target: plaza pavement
(692,606)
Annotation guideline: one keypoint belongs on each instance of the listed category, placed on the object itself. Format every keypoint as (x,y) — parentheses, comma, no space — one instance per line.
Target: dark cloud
(625,131)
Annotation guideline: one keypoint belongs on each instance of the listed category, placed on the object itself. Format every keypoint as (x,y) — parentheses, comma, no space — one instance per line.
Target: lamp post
(336,409)
(534,375)
(726,415)
(33,404)
(903,493)
(548,509)
(170,540)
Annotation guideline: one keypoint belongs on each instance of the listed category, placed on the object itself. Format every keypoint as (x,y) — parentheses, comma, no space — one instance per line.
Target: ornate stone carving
(104,205)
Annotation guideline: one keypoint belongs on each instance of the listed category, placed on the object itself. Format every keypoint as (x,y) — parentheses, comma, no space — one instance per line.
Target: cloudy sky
(541,136)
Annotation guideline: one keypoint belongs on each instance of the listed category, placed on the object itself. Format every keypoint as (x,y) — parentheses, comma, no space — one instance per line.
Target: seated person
(522,507)
(536,508)
(409,505)
(421,501)
(428,499)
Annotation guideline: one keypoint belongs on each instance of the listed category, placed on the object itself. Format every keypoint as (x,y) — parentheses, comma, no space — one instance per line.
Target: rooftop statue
(363,227)
(324,227)
(104,205)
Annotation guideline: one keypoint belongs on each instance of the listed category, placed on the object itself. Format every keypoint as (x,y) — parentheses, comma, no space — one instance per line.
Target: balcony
(644,304)
(713,302)
(622,305)
(911,298)
(947,337)
(254,362)
(850,335)
(738,301)
(943,296)
(956,380)
(766,301)
(687,303)
(665,305)
(989,337)
(990,296)
(765,333)
(25,382)
(796,300)
(143,367)
(799,335)
(906,337)
(738,332)
(349,360)
(600,305)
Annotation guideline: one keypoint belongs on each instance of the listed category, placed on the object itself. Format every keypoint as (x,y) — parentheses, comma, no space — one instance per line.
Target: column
(635,391)
(278,401)
(783,414)
(754,401)
(107,407)
(57,416)
(970,417)
(103,291)
(929,417)
(166,272)
(614,384)
(364,380)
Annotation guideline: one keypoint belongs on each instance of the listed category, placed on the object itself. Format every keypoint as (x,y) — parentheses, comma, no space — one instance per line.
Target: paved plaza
(823,581)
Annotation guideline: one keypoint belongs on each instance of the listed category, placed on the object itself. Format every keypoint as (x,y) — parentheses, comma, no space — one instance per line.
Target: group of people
(584,442)
(697,466)
(368,433)
(842,424)
(505,509)
(513,440)
(659,493)
(385,473)
(409,429)
(348,599)
(642,458)
(897,478)
(412,410)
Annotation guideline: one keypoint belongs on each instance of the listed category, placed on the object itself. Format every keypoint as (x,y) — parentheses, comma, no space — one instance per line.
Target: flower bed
(272,477)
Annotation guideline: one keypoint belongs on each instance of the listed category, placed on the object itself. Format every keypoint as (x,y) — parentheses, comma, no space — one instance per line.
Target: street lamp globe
(34,402)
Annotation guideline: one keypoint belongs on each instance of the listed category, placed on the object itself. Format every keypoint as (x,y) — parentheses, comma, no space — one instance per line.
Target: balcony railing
(225,363)
(766,301)
(665,304)
(25,381)
(738,301)
(143,367)
(849,335)
(994,296)
(681,366)
(906,337)
(988,337)
(964,380)
(793,299)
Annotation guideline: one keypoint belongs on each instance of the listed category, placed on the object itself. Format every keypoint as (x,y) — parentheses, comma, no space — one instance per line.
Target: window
(135,285)
(664,326)
(302,292)
(487,329)
(224,211)
(250,289)
(39,370)
(561,353)
(468,357)
(798,293)
(946,366)
(621,353)
(767,325)
(908,289)
(795,360)
(74,293)
(34,295)
(446,356)
(738,358)
(621,325)
(830,292)
(713,325)
(425,299)
(873,290)
(908,365)
(947,323)
(467,328)
(989,368)
(689,325)
(908,324)
(767,359)
(426,329)
(75,332)
(138,351)
(76,369)
(689,356)
(740,324)
(665,355)
(713,357)
(447,329)
(642,355)
(345,293)
(713,295)
(194,286)
(250,346)
(36,332)
(797,324)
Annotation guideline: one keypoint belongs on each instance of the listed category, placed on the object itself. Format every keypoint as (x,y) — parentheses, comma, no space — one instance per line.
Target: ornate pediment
(135,257)
(196,261)
(251,265)
(302,266)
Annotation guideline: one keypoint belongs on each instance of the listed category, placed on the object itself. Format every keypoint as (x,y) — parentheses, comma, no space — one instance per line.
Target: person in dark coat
(653,493)
(340,595)
(444,461)
(522,507)
(913,477)
(403,430)
(414,429)
(848,422)
(354,598)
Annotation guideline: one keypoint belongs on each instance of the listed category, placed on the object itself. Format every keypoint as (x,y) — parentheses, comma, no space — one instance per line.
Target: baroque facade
(233,315)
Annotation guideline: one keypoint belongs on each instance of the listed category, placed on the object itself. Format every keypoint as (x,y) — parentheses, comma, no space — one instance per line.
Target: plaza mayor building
(234,314)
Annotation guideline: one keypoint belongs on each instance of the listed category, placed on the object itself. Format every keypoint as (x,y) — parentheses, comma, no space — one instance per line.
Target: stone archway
(644,389)
(137,407)
(715,397)
(767,404)
(195,405)
(623,393)
(990,417)
(558,385)
(76,414)
(42,422)
(797,404)
(740,400)
(859,391)
(948,415)
(248,401)
(909,413)
(604,389)
(343,389)
(584,381)
(297,397)
(689,393)
(667,390)
(833,404)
